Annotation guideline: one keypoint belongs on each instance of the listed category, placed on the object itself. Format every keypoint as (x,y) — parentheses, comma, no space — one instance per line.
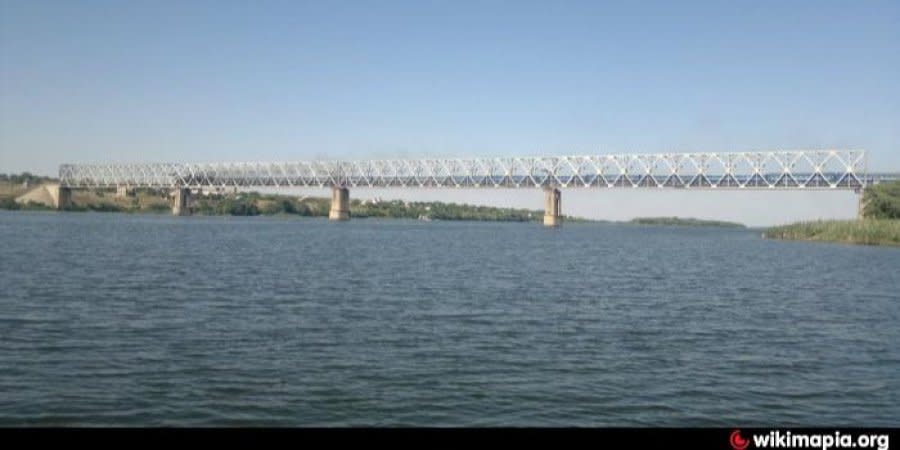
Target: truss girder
(803,169)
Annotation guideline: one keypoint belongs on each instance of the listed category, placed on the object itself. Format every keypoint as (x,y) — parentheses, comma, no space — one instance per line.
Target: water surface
(158,320)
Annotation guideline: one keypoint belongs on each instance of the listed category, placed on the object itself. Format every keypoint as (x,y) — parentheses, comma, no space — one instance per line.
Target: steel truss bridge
(800,169)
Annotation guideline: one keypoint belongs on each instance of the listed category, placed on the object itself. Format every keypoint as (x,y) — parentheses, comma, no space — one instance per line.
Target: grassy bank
(865,232)
(880,224)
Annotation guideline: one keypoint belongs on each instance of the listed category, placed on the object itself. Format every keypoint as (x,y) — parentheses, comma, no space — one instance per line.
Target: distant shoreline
(45,209)
(249,204)
(157,201)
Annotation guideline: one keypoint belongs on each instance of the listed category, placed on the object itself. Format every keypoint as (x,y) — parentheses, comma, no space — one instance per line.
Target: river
(113,319)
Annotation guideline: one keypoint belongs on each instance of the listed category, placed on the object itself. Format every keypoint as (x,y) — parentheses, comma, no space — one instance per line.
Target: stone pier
(861,205)
(181,204)
(340,204)
(552,207)
(123,191)
(62,196)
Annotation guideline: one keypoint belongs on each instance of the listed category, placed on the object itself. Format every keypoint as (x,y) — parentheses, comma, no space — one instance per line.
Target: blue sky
(88,81)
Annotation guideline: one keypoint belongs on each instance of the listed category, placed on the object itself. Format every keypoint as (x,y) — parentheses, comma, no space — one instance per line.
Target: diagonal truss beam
(798,169)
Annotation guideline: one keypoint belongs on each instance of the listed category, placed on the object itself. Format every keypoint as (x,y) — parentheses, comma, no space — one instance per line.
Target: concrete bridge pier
(861,204)
(123,191)
(340,203)
(181,203)
(552,207)
(62,196)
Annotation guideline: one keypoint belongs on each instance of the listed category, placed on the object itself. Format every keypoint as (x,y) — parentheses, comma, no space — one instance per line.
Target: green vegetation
(882,201)
(442,211)
(880,224)
(689,222)
(12,205)
(254,204)
(24,177)
(143,201)
(9,203)
(866,232)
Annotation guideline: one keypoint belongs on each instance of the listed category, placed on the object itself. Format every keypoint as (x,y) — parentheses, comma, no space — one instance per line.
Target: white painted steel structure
(801,169)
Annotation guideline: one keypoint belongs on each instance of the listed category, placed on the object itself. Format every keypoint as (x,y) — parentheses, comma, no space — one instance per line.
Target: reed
(865,231)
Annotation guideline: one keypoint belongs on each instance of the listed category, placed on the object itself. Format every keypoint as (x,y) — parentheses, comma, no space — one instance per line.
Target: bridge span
(758,170)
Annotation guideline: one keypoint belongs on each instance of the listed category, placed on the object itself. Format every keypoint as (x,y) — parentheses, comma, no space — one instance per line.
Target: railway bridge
(757,170)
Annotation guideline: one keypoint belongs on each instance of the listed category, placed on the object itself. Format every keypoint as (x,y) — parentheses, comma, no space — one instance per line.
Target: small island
(879,225)
(684,221)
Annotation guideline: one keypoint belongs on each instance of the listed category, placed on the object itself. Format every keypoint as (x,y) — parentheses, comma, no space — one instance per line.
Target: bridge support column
(181,204)
(552,207)
(340,204)
(861,205)
(61,196)
(123,191)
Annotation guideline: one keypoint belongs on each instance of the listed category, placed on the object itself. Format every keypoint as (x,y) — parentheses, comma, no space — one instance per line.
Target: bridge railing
(802,169)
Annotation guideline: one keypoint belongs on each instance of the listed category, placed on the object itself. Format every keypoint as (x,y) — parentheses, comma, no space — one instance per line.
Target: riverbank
(880,225)
(142,201)
(863,232)
(157,201)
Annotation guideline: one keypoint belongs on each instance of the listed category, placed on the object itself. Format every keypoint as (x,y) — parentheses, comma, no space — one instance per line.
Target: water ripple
(141,320)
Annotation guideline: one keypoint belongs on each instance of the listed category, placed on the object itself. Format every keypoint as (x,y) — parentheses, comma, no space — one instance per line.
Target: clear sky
(94,81)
